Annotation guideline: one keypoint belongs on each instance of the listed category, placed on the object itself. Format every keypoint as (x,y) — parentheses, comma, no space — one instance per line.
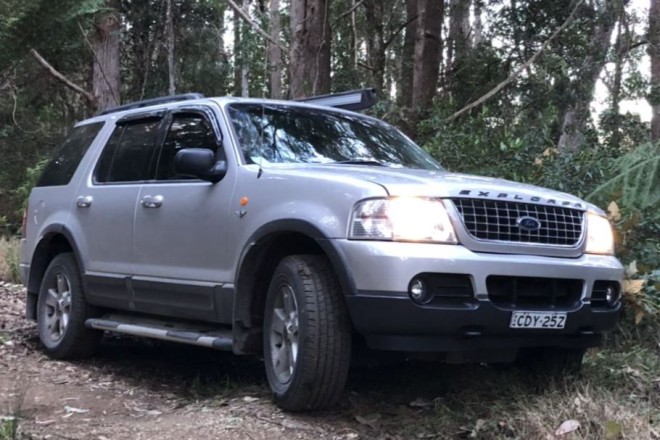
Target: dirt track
(143,389)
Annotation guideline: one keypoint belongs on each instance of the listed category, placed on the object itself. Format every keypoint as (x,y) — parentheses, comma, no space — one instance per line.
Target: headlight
(599,239)
(402,218)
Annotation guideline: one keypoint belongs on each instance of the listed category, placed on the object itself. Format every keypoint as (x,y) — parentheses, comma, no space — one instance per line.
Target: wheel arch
(56,239)
(259,258)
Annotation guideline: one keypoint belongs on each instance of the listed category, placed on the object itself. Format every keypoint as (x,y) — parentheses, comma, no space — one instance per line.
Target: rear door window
(129,154)
(61,168)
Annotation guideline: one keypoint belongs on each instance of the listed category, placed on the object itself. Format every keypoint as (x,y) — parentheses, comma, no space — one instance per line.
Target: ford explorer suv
(299,231)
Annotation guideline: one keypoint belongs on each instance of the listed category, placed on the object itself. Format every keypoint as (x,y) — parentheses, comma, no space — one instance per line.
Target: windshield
(271,133)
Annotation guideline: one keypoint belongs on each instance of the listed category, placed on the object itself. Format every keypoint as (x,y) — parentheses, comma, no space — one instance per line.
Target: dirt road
(143,389)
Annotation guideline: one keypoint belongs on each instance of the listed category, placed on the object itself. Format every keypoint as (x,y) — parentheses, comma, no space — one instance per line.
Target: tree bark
(428,52)
(105,70)
(375,42)
(654,54)
(478,33)
(169,38)
(408,55)
(238,55)
(274,52)
(245,67)
(458,46)
(309,57)
(576,114)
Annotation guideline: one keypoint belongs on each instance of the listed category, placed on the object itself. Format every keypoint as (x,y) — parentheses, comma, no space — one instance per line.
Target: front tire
(62,311)
(307,337)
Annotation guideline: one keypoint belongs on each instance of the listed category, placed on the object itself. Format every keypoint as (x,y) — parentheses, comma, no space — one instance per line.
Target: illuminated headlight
(402,219)
(600,239)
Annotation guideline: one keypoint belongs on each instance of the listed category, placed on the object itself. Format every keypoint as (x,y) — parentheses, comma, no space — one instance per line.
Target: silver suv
(301,231)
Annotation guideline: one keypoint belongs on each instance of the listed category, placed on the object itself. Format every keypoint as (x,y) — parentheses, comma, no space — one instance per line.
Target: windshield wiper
(371,162)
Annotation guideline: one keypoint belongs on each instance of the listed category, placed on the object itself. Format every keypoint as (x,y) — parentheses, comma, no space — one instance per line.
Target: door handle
(151,201)
(84,201)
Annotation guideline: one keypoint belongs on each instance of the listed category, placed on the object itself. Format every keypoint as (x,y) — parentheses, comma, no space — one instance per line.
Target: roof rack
(153,101)
(352,100)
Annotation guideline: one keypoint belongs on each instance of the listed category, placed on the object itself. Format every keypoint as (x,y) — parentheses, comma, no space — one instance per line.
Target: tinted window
(186,131)
(291,134)
(128,154)
(60,169)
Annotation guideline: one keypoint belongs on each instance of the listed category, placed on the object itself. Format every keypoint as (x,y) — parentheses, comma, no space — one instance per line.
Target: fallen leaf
(567,427)
(371,420)
(421,403)
(631,269)
(250,399)
(538,161)
(73,410)
(613,211)
(633,287)
(612,430)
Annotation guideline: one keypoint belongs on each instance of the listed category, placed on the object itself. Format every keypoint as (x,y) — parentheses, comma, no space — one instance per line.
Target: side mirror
(201,163)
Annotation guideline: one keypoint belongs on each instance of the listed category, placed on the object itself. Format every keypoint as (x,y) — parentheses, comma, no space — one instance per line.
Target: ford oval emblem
(528,223)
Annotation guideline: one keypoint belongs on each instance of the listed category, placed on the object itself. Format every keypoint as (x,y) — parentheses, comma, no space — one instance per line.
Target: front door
(181,267)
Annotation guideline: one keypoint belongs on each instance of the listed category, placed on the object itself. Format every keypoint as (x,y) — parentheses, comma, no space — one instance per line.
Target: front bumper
(383,313)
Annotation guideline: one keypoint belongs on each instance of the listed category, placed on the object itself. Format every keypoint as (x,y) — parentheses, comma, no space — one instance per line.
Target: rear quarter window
(61,168)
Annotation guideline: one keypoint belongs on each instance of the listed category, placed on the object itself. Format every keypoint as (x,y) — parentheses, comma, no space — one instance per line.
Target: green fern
(635,181)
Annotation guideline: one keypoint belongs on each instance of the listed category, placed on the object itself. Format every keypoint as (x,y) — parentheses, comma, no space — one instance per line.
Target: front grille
(496,220)
(533,292)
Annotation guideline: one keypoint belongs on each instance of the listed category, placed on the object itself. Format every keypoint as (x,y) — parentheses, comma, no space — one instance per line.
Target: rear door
(105,208)
(181,267)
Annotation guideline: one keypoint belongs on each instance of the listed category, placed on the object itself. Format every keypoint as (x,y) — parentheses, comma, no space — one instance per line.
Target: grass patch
(617,396)
(9,259)
(10,421)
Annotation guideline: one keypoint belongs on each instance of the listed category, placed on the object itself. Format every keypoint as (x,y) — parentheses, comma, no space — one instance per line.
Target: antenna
(263,115)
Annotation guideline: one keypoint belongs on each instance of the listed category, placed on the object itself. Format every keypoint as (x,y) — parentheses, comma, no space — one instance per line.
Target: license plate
(549,320)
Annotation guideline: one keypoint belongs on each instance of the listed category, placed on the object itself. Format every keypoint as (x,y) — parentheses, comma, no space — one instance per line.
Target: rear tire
(62,311)
(307,335)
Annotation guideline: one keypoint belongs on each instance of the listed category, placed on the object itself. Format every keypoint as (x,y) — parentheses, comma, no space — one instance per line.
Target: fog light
(417,291)
(611,296)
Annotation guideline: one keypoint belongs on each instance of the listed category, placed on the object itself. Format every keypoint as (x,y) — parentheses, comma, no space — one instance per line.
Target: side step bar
(209,337)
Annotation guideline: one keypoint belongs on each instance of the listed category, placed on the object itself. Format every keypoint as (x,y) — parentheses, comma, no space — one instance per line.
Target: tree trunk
(245,66)
(428,52)
(576,114)
(310,48)
(478,23)
(274,52)
(408,55)
(105,70)
(238,55)
(169,38)
(375,42)
(654,54)
(458,45)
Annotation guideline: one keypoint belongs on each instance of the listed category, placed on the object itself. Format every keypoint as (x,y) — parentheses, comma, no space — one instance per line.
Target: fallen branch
(254,25)
(517,72)
(61,78)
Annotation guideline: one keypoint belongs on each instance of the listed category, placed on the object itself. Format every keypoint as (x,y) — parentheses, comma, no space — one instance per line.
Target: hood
(424,183)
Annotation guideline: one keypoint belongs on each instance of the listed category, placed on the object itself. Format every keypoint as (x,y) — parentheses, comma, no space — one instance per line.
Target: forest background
(563,93)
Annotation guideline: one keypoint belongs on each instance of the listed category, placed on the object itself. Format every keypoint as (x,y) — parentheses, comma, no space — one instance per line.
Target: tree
(274,52)
(309,56)
(581,87)
(428,52)
(408,55)
(654,54)
(105,77)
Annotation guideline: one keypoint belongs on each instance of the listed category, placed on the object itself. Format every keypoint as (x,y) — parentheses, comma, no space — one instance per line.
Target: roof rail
(351,100)
(153,101)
